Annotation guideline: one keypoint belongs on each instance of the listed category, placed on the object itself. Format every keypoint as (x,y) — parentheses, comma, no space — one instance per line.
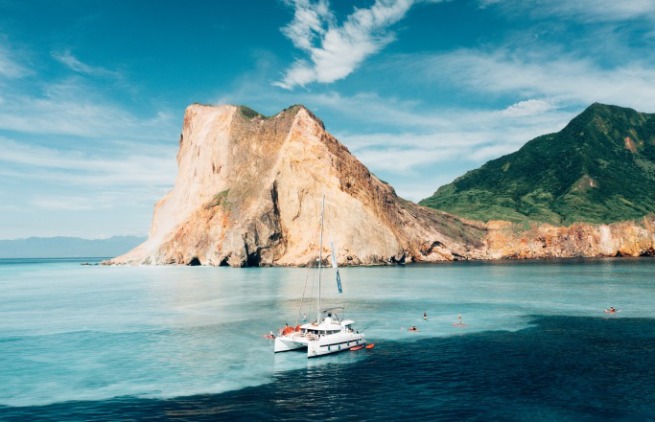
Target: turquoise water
(75,336)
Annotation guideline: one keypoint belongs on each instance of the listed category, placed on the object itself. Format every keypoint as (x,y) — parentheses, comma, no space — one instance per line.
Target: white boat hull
(319,345)
(334,343)
(288,343)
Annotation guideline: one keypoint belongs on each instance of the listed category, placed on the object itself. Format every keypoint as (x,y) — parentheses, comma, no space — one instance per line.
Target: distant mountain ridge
(66,247)
(599,169)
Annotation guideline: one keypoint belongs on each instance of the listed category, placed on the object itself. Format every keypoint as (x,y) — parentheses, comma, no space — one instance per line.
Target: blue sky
(92,93)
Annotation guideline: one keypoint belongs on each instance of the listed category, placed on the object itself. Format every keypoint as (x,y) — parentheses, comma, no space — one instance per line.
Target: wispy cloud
(124,184)
(469,136)
(72,107)
(73,63)
(546,74)
(72,147)
(137,166)
(582,10)
(528,108)
(335,51)
(10,66)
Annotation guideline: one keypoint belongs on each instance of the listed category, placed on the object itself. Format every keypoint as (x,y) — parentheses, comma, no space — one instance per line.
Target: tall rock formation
(248,192)
(249,189)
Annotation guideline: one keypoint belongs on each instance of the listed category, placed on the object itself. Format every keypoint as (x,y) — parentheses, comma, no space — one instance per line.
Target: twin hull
(318,345)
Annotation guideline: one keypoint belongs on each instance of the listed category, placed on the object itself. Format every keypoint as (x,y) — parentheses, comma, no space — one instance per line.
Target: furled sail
(339,282)
(334,255)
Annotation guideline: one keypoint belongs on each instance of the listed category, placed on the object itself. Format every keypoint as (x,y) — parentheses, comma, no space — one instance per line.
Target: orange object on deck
(287,330)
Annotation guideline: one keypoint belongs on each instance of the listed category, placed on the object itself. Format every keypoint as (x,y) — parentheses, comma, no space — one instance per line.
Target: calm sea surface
(83,342)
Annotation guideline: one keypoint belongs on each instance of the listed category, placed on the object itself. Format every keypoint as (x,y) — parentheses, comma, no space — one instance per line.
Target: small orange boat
(370,346)
(361,346)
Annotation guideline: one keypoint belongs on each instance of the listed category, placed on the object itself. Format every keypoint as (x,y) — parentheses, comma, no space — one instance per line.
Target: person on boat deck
(413,328)
(612,309)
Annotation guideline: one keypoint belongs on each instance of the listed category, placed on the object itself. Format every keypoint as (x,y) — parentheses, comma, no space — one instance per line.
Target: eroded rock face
(249,189)
(629,238)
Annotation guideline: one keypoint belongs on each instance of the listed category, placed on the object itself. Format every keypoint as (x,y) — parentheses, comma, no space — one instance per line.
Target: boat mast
(320,262)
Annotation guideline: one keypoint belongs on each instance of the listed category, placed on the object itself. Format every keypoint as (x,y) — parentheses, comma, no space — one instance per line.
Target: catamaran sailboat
(329,333)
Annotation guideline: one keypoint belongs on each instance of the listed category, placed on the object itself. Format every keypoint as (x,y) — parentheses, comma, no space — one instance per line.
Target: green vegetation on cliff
(600,168)
(249,113)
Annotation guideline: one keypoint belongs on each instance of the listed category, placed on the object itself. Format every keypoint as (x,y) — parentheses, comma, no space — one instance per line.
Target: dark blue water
(561,368)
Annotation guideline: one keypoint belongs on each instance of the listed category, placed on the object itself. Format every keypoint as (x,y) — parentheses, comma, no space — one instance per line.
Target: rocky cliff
(248,192)
(249,189)
(528,241)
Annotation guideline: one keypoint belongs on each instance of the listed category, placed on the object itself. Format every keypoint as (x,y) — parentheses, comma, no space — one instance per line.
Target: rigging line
(310,267)
(328,218)
(333,253)
(302,299)
(320,259)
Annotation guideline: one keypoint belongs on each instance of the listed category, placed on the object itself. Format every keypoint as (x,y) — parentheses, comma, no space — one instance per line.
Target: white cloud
(600,10)
(582,10)
(309,22)
(71,149)
(547,74)
(528,108)
(472,136)
(10,67)
(140,167)
(336,51)
(72,107)
(66,58)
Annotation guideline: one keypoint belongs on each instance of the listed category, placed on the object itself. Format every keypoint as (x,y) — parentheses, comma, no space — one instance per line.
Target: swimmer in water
(459,322)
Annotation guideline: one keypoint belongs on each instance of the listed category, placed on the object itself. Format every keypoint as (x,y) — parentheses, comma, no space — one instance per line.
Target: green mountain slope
(600,168)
